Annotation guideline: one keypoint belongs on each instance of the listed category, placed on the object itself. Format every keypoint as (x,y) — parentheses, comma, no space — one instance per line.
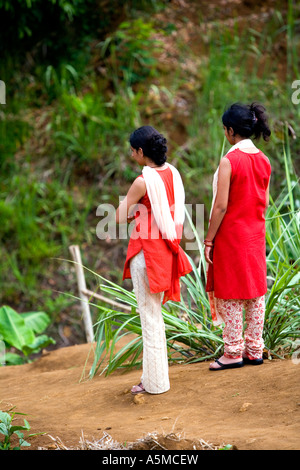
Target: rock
(139,399)
(245,407)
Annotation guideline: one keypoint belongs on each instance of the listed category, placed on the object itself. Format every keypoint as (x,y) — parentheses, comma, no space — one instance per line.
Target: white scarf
(243,144)
(159,201)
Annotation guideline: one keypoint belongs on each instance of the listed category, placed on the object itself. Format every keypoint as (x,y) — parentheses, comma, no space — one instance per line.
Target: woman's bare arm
(220,204)
(136,191)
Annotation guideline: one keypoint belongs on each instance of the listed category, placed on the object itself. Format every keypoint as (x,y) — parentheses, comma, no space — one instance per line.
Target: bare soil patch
(250,408)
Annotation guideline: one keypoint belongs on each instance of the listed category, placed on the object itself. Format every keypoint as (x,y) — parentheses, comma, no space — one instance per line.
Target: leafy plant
(11,431)
(131,51)
(19,331)
(63,80)
(282,320)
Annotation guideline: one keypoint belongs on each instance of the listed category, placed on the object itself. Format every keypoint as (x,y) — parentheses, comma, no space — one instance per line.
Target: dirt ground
(252,408)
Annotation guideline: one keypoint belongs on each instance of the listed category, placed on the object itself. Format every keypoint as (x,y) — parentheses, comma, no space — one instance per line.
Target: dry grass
(151,441)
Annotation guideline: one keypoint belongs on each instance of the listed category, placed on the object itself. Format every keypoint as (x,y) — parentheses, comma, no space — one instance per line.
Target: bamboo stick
(104,299)
(87,320)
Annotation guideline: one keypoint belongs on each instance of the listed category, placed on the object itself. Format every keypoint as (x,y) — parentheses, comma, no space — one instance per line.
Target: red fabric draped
(165,260)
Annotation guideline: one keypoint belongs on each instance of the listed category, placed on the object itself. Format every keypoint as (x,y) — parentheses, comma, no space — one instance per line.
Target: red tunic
(239,256)
(165,262)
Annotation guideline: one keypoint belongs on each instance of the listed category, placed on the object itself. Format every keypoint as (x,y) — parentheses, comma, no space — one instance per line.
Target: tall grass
(283,262)
(37,223)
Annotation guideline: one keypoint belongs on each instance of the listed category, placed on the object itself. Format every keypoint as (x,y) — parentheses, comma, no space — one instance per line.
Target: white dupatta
(159,201)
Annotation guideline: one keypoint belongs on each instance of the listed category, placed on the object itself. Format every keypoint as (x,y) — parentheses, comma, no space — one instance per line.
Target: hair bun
(157,146)
(261,121)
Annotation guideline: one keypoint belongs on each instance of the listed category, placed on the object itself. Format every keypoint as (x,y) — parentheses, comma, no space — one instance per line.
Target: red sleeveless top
(165,261)
(239,256)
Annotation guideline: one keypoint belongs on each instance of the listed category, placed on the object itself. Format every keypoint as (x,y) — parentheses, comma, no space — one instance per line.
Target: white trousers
(155,378)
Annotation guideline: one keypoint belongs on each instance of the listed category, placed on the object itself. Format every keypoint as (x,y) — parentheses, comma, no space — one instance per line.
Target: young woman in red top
(235,247)
(155,261)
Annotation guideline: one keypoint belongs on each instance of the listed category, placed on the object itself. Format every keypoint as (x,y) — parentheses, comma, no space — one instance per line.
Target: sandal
(253,362)
(233,365)
(138,389)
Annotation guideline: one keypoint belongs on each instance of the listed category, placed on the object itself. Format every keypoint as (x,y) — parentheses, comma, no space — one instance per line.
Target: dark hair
(247,120)
(153,144)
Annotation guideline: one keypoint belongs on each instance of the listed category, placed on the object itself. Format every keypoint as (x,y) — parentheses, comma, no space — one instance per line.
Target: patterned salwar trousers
(155,377)
(235,342)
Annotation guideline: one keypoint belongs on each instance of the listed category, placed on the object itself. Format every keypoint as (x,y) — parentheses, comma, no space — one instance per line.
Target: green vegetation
(72,101)
(12,433)
(19,330)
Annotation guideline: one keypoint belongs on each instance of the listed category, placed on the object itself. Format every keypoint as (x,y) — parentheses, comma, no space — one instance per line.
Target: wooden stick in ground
(87,320)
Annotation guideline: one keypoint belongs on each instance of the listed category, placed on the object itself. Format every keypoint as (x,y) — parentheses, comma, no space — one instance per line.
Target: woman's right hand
(208,254)
(130,218)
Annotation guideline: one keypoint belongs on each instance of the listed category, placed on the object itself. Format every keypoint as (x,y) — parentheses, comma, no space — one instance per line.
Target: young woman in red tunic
(235,247)
(155,261)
